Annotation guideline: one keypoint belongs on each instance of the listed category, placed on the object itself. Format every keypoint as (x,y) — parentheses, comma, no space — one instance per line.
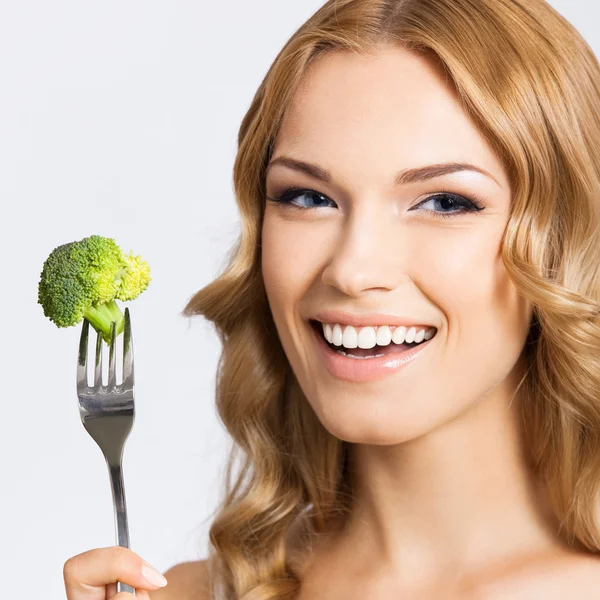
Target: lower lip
(361,370)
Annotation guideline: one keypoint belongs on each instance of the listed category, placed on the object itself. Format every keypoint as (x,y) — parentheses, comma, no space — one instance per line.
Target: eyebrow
(402,178)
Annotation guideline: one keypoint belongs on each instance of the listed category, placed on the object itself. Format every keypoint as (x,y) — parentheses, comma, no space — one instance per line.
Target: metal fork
(107,413)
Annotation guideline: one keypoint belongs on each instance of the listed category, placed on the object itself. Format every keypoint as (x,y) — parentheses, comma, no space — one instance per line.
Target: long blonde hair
(532,85)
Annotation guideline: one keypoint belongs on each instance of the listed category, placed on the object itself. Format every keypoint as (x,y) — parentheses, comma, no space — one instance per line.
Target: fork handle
(122,530)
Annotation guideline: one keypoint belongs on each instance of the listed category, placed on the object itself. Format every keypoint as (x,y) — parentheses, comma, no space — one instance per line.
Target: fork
(107,413)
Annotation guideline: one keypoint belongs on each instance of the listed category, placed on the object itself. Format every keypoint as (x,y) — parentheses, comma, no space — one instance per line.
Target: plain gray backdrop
(120,119)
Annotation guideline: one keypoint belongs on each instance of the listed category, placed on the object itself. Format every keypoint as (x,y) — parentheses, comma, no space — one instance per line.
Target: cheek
(487,320)
(278,268)
(468,281)
(273,258)
(289,267)
(292,256)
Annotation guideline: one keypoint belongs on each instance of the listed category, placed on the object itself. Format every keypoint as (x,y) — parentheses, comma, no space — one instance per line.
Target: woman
(420,179)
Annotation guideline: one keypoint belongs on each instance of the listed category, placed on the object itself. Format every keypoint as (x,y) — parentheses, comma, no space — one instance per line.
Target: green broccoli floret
(84,278)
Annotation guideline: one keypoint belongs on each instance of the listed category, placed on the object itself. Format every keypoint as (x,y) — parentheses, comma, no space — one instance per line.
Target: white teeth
(350,339)
(337,337)
(359,357)
(398,335)
(409,338)
(384,335)
(369,337)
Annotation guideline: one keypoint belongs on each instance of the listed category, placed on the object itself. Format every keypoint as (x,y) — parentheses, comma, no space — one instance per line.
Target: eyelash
(467,203)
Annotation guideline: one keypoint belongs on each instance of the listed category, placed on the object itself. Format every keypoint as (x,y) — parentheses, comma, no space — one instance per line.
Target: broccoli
(84,279)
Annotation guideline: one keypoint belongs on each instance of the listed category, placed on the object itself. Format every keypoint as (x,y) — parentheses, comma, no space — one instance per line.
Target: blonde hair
(531,85)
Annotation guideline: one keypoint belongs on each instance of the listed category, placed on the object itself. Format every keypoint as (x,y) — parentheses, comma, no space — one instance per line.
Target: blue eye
(290,195)
(446,200)
(456,204)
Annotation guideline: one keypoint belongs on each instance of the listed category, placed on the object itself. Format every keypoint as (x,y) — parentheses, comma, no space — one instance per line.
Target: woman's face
(361,247)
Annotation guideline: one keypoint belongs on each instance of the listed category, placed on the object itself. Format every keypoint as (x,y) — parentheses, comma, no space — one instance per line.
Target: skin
(445,503)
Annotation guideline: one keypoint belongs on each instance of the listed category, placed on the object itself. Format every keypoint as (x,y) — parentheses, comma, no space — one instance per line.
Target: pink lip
(364,370)
(363,320)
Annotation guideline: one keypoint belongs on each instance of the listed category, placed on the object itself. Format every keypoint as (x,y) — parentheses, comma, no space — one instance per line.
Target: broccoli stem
(101,316)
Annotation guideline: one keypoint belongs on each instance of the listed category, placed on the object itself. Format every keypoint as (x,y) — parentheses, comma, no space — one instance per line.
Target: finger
(111,590)
(88,574)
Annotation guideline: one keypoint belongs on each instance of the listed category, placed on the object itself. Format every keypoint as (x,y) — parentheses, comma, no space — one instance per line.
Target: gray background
(120,118)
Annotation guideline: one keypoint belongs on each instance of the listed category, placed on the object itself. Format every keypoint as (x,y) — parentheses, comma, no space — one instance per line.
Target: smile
(369,337)
(368,353)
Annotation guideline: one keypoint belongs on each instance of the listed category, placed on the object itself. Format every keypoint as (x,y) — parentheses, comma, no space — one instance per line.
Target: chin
(379,422)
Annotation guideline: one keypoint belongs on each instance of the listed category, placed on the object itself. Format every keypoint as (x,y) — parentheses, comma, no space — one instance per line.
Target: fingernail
(152,576)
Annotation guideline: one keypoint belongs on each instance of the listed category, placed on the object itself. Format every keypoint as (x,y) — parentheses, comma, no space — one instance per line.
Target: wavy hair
(531,84)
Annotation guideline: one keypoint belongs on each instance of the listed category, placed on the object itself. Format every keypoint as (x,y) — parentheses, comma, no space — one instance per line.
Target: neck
(460,497)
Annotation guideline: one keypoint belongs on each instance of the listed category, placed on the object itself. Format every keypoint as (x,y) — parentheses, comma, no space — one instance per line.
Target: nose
(368,255)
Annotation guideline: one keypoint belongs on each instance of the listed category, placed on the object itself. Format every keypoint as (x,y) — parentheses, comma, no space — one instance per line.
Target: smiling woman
(411,318)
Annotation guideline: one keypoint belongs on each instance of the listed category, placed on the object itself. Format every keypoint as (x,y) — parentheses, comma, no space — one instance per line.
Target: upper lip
(366,319)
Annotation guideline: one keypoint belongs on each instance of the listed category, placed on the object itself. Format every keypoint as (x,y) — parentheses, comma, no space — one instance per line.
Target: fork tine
(98,368)
(112,360)
(127,352)
(82,359)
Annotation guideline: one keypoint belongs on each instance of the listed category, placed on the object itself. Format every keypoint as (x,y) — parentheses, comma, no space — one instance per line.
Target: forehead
(380,112)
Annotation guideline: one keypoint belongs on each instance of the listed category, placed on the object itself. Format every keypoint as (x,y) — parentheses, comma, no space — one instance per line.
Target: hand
(93,575)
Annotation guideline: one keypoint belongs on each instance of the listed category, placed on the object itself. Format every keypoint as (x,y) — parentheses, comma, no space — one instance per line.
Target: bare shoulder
(586,570)
(186,581)
(574,575)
